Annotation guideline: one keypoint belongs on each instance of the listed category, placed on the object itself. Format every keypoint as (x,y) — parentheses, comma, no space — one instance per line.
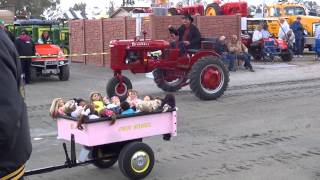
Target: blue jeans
(299,46)
(246,58)
(317,47)
(229,58)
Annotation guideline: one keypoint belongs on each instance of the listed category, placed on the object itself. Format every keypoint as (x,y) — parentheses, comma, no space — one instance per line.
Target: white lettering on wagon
(134,127)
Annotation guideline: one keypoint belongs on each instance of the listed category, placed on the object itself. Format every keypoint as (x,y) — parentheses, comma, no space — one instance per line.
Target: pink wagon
(104,143)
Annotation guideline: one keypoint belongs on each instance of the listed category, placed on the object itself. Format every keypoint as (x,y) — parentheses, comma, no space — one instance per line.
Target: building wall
(93,36)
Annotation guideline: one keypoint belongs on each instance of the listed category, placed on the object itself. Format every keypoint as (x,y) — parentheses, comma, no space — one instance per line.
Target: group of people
(293,35)
(25,47)
(99,106)
(188,36)
(232,50)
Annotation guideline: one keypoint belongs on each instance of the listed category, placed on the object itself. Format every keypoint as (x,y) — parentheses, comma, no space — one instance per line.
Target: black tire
(33,74)
(215,7)
(196,78)
(127,154)
(159,75)
(287,56)
(173,12)
(113,84)
(254,53)
(64,73)
(105,163)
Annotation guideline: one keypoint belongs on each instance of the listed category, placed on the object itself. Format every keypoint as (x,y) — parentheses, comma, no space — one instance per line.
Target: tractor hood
(47,49)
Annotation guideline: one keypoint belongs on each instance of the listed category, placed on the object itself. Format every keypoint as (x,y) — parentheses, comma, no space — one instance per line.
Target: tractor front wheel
(168,86)
(209,78)
(119,87)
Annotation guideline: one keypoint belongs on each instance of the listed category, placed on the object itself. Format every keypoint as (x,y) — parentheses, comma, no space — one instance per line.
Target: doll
(57,108)
(88,113)
(69,107)
(168,102)
(114,105)
(97,100)
(132,98)
(148,104)
(125,108)
(80,104)
(106,101)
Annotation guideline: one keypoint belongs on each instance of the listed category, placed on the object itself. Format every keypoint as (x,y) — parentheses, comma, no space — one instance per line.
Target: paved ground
(266,126)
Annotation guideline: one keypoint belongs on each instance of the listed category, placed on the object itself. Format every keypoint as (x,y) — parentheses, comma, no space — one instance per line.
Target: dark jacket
(11,36)
(25,48)
(297,29)
(220,48)
(15,143)
(194,36)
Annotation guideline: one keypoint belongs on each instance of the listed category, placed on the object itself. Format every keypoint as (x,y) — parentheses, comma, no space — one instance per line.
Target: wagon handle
(73,150)
(68,162)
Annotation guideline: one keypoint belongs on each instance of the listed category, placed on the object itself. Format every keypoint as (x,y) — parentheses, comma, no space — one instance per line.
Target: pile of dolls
(100,107)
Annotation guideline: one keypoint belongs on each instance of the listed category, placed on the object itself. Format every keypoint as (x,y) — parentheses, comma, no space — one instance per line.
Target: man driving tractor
(189,34)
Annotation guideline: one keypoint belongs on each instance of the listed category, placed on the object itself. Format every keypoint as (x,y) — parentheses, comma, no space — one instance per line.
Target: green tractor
(59,33)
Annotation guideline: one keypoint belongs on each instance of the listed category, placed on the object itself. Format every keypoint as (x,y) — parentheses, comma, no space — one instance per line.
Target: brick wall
(211,26)
(93,36)
(76,29)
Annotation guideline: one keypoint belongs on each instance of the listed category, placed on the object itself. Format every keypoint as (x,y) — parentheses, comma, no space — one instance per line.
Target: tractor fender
(196,57)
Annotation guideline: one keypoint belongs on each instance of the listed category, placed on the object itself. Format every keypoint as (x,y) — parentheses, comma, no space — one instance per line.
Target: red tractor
(213,9)
(202,69)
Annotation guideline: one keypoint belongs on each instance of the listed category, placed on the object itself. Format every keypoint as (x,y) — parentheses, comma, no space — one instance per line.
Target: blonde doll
(57,108)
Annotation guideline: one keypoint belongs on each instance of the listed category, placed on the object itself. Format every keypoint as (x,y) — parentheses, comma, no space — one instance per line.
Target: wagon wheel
(209,78)
(136,160)
(115,88)
(169,86)
(102,163)
(213,9)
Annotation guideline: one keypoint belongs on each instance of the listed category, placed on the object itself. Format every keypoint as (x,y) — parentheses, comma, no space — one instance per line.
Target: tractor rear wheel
(287,56)
(209,78)
(213,9)
(173,12)
(168,86)
(115,88)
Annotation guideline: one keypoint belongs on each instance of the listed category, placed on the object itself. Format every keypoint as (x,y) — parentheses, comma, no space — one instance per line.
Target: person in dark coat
(25,47)
(189,34)
(298,31)
(15,142)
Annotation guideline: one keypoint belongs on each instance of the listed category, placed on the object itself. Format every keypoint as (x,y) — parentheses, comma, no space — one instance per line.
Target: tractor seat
(208,43)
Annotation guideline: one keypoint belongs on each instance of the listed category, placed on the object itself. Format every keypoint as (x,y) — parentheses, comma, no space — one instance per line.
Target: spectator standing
(298,31)
(25,47)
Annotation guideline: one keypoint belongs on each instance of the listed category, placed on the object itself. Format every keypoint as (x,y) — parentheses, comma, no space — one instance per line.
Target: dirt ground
(265,127)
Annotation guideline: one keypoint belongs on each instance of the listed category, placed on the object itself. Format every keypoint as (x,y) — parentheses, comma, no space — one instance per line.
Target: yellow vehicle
(291,11)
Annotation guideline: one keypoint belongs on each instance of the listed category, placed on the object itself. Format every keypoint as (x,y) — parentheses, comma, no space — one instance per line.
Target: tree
(80,7)
(111,8)
(33,7)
